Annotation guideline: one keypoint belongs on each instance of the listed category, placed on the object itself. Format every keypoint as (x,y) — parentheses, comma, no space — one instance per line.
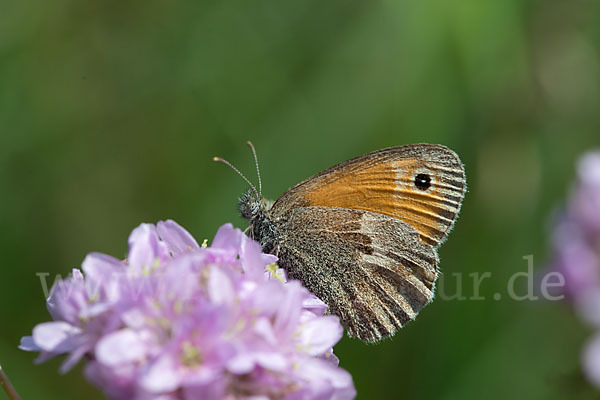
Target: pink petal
(252,259)
(290,308)
(101,266)
(145,247)
(320,334)
(161,376)
(120,347)
(268,297)
(220,287)
(313,370)
(589,169)
(134,318)
(228,237)
(178,240)
(241,364)
(264,329)
(67,298)
(244,363)
(314,305)
(591,361)
(55,336)
(269,258)
(200,376)
(73,358)
(271,361)
(28,344)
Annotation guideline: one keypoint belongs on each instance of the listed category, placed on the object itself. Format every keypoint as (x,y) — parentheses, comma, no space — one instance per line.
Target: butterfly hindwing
(372,270)
(422,185)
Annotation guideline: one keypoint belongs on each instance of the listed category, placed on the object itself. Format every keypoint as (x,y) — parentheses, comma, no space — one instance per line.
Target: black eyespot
(423,181)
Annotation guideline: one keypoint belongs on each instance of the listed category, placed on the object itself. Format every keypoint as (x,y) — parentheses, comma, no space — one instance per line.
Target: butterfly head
(252,206)
(256,209)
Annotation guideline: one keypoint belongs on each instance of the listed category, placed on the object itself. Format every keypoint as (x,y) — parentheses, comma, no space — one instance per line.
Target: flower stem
(7,386)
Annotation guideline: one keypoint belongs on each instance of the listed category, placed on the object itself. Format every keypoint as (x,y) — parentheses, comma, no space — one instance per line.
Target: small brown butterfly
(363,235)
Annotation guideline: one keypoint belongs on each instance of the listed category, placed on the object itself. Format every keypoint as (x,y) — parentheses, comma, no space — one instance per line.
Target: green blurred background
(110,113)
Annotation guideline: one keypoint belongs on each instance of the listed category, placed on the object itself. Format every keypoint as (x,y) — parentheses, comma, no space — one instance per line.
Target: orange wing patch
(422,185)
(387,187)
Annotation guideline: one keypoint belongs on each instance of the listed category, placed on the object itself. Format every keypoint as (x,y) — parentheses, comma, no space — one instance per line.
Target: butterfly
(363,235)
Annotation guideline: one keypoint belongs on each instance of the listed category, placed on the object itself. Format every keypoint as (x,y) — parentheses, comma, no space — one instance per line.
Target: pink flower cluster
(576,245)
(180,321)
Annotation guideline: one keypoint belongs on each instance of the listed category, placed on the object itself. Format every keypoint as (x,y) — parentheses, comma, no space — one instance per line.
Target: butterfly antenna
(219,159)
(257,169)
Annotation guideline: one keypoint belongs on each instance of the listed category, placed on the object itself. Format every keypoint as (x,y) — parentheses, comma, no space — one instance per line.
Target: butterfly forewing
(372,270)
(422,185)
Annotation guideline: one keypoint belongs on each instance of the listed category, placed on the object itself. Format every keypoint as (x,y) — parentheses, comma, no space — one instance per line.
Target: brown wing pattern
(372,270)
(383,182)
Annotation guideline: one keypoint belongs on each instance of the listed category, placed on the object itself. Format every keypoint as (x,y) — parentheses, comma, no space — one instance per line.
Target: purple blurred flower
(179,321)
(576,239)
(585,202)
(576,243)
